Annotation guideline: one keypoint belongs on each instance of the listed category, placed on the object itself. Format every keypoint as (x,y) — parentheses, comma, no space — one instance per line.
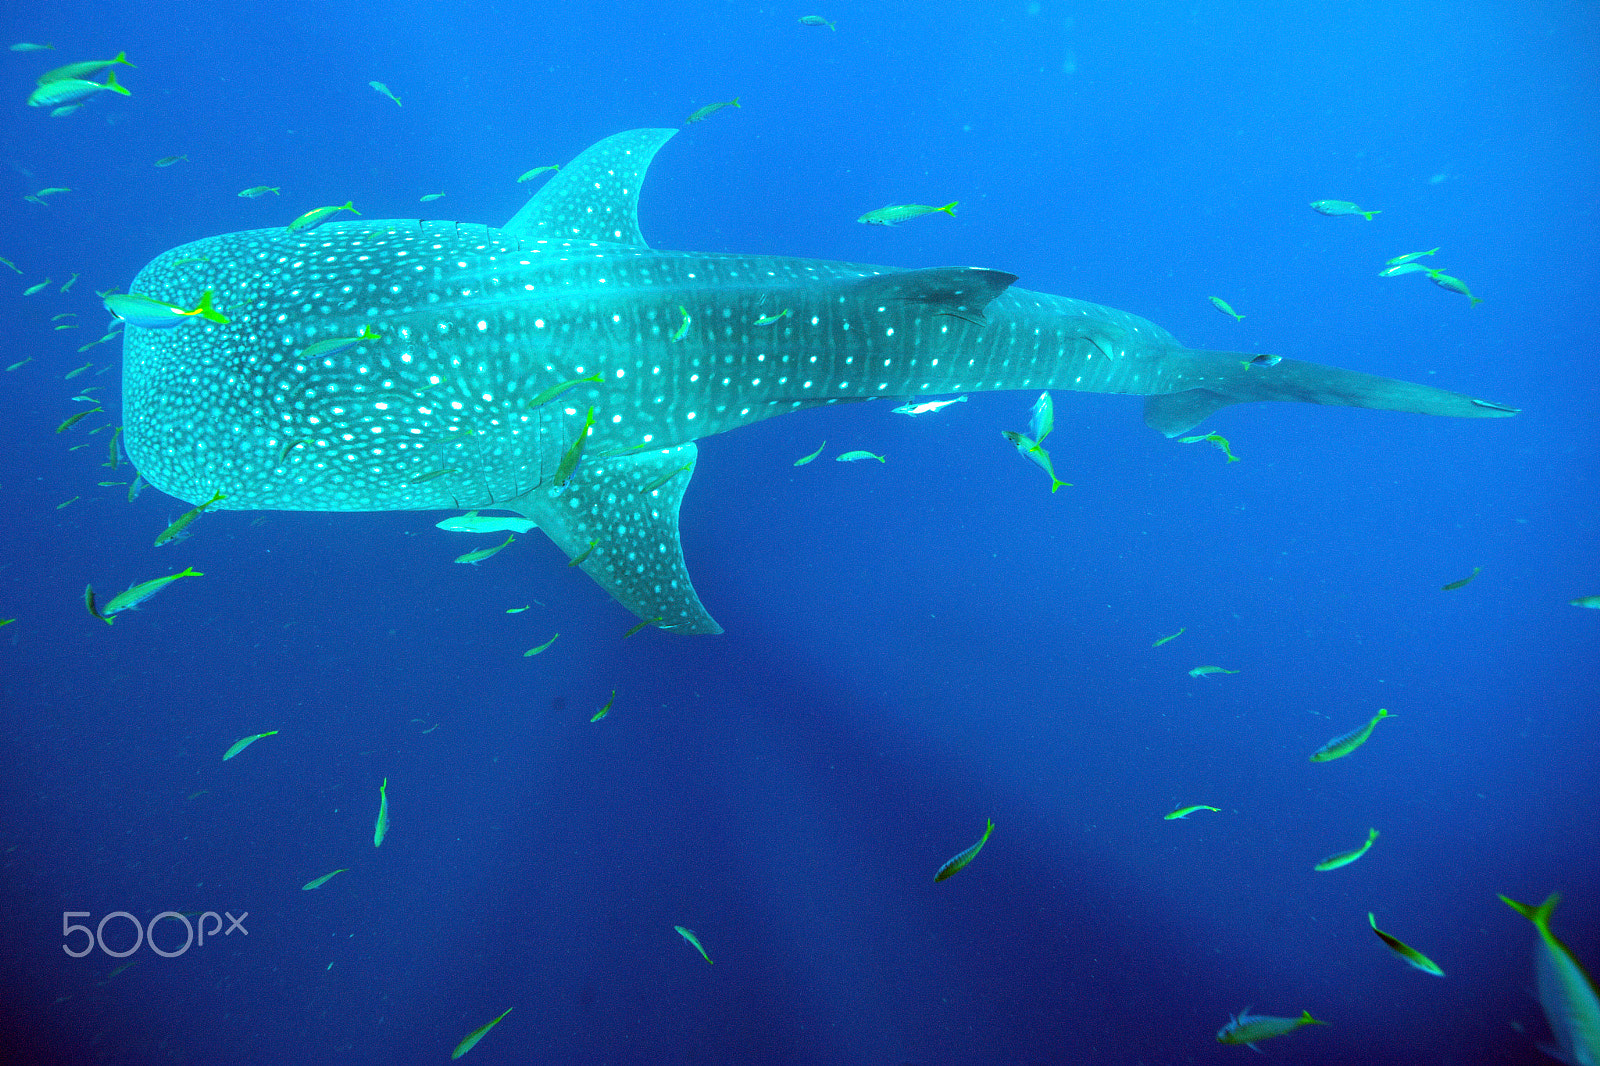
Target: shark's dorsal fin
(959,291)
(596,196)
(626,506)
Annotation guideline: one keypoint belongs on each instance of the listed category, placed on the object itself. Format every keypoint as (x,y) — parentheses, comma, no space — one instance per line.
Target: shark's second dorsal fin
(596,196)
(962,292)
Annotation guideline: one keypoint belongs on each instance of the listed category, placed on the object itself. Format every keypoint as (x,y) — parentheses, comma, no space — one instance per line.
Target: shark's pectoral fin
(626,508)
(1178,412)
(596,196)
(961,292)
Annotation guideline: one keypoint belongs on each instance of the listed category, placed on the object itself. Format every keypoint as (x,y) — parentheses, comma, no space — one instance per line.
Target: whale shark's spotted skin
(474,322)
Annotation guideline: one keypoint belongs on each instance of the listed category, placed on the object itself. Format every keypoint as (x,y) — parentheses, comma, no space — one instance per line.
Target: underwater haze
(735,862)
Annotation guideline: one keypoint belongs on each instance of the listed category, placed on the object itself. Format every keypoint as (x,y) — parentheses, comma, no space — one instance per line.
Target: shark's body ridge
(474,322)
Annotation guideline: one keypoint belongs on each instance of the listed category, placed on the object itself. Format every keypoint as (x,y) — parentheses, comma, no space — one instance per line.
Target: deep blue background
(910,647)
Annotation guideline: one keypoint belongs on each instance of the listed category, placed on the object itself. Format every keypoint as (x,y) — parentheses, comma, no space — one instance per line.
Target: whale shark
(375,365)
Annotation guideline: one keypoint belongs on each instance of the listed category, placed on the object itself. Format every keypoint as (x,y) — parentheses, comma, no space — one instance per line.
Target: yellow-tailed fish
(32,290)
(956,864)
(169,160)
(1400,948)
(688,934)
(83,69)
(317,216)
(335,345)
(1345,858)
(28,46)
(536,171)
(646,622)
(1034,452)
(556,390)
(927,407)
(806,459)
(518,610)
(69,283)
(712,108)
(895,214)
(10,264)
(432,196)
(71,90)
(261,190)
(1216,439)
(245,742)
(577,560)
(1222,305)
(817,20)
(384,90)
(602,712)
(1207,671)
(683,329)
(324,879)
(1566,992)
(476,557)
(182,521)
(1341,207)
(381,828)
(69,375)
(542,647)
(1345,743)
(470,1041)
(149,313)
(131,598)
(574,452)
(664,478)
(1246,1028)
(1410,257)
(1476,570)
(1041,418)
(1184,812)
(1175,636)
(857,456)
(88,602)
(79,417)
(767,320)
(431,475)
(1456,285)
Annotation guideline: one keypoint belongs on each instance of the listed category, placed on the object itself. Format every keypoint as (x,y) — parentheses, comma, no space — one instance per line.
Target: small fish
(69,283)
(713,108)
(470,1041)
(817,20)
(25,46)
(540,648)
(1476,570)
(384,90)
(683,330)
(767,320)
(109,484)
(71,90)
(1410,257)
(191,259)
(10,264)
(113,335)
(1581,601)
(798,462)
(21,362)
(1216,439)
(1345,858)
(168,160)
(956,864)
(577,560)
(1404,268)
(1341,207)
(1571,1004)
(519,610)
(290,446)
(255,191)
(574,452)
(927,407)
(79,417)
(432,196)
(1041,418)
(335,345)
(317,216)
(69,375)
(556,390)
(124,601)
(1445,281)
(241,744)
(32,199)
(84,69)
(431,475)
(63,111)
(88,602)
(645,622)
(1174,636)
(1345,743)
(182,521)
(895,214)
(851,457)
(138,486)
(32,289)
(75,499)
(536,171)
(380,829)
(688,934)
(1035,452)
(1246,1028)
(668,476)
(473,522)
(1222,305)
(1205,671)
(476,557)
(602,712)
(113,453)
(69,325)
(1261,360)
(149,313)
(324,879)
(1406,951)
(1184,812)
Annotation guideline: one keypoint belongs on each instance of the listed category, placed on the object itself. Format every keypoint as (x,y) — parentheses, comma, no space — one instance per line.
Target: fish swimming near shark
(470,323)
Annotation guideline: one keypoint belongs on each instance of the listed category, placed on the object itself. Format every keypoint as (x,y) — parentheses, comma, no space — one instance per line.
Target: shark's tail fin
(1231,378)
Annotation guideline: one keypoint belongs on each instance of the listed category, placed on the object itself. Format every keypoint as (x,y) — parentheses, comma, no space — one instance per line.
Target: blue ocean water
(912,647)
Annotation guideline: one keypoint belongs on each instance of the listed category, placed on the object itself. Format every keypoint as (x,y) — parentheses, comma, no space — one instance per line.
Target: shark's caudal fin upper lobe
(1227,380)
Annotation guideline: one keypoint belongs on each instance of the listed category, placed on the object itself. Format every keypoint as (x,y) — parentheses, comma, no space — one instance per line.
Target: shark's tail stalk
(1233,378)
